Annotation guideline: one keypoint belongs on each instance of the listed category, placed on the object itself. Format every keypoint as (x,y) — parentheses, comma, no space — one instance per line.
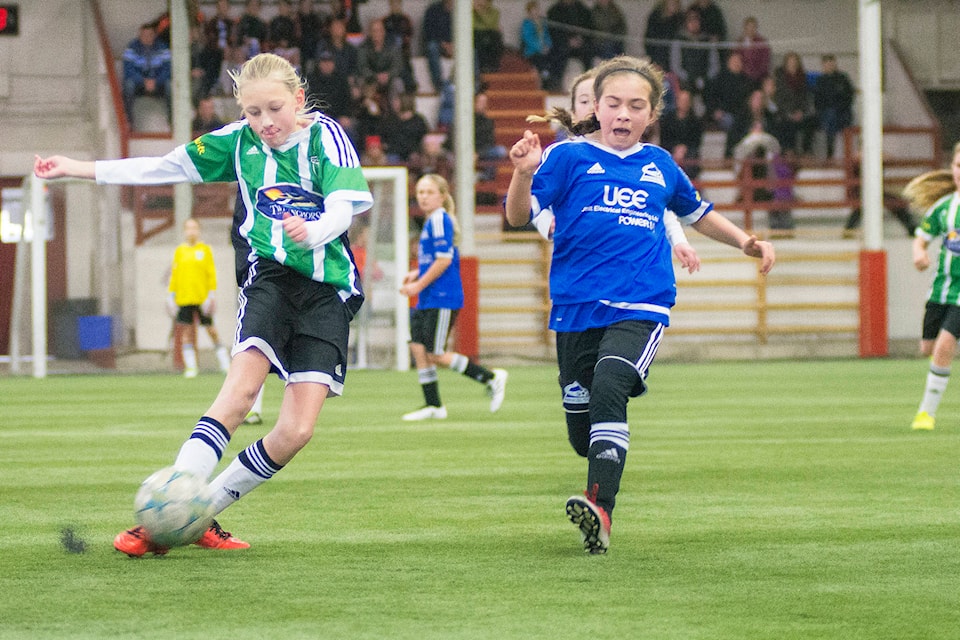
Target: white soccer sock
(203,449)
(251,468)
(223,357)
(258,403)
(937,380)
(189,356)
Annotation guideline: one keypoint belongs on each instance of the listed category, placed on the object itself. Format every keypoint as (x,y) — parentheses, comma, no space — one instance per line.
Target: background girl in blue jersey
(611,280)
(301,184)
(436,283)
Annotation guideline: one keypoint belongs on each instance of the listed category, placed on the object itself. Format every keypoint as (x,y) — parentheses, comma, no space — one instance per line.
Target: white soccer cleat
(426,413)
(497,387)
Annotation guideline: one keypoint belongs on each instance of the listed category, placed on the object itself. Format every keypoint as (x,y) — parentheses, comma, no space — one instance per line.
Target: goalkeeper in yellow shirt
(193,283)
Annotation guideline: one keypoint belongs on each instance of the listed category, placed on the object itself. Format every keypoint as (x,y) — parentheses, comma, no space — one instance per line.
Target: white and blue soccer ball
(175,507)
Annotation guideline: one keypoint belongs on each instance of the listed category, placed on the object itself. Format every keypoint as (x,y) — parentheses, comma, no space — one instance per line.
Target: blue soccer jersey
(437,241)
(611,256)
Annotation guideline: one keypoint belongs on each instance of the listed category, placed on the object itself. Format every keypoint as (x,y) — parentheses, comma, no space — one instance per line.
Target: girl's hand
(61,167)
(760,249)
(687,256)
(295,227)
(411,276)
(525,153)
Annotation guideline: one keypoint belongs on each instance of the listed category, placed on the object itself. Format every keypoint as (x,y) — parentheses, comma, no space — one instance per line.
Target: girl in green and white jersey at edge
(941,321)
(301,184)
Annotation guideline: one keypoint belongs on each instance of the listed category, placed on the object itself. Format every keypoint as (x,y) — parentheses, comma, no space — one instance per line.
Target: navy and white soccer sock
(609,442)
(202,451)
(431,388)
(251,468)
(462,364)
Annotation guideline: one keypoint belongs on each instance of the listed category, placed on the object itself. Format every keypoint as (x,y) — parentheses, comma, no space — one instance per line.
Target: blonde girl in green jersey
(301,183)
(940,197)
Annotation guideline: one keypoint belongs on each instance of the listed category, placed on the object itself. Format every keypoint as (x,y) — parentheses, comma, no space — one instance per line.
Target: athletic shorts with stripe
(431,328)
(301,325)
(633,342)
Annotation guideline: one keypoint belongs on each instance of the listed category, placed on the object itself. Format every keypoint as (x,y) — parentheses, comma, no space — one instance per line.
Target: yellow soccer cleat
(923,422)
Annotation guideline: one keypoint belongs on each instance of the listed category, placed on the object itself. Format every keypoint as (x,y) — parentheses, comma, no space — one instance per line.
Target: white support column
(38,275)
(182,109)
(871,136)
(463,78)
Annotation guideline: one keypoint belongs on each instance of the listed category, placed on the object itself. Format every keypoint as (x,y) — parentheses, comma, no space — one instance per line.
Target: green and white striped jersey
(317,165)
(941,220)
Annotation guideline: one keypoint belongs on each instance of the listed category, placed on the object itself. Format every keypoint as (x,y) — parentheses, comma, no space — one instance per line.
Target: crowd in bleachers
(361,71)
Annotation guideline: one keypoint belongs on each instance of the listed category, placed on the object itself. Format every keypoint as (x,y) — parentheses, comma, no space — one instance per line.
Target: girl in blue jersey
(301,184)
(611,280)
(436,283)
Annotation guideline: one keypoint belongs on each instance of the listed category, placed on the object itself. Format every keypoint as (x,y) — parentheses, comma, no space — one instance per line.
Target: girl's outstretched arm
(525,156)
(715,226)
(63,167)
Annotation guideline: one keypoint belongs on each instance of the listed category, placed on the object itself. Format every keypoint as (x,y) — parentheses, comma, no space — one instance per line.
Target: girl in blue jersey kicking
(436,283)
(611,280)
(301,184)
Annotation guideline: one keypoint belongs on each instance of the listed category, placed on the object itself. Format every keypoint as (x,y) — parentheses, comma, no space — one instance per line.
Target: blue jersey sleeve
(551,179)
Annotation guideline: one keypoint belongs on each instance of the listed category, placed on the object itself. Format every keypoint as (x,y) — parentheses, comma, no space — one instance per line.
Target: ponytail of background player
(301,184)
(611,280)
(937,193)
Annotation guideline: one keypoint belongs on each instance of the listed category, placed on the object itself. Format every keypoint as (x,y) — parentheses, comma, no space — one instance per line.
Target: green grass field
(761,500)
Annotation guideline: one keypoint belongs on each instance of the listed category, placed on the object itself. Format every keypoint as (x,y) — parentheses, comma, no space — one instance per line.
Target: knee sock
(431,389)
(607,454)
(257,407)
(189,356)
(251,468)
(463,364)
(204,448)
(937,380)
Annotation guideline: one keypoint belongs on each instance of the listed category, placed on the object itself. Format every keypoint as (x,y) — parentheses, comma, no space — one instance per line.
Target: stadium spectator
(437,34)
(757,117)
(536,46)
(681,133)
(713,24)
(758,160)
(833,100)
(206,59)
(222,26)
(608,19)
(379,60)
(343,52)
(399,28)
(487,36)
(755,51)
(252,31)
(282,28)
(796,123)
(372,111)
(311,26)
(331,90)
(663,25)
(206,118)
(192,297)
(694,58)
(404,129)
(725,95)
(146,69)
(570,23)
(436,285)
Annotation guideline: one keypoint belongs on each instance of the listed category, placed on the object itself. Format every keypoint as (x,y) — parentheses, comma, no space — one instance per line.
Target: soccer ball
(175,507)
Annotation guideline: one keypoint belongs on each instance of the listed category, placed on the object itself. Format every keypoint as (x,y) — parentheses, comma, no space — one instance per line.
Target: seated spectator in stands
(833,100)
(487,36)
(331,90)
(663,25)
(485,134)
(372,110)
(433,158)
(758,117)
(222,26)
(694,65)
(607,18)
(206,59)
(206,118)
(252,31)
(796,123)
(712,23)
(399,28)
(404,129)
(758,158)
(726,94)
(289,53)
(437,34)
(146,69)
(536,45)
(374,155)
(343,52)
(681,133)
(233,58)
(379,60)
(283,27)
(570,22)
(755,51)
(312,27)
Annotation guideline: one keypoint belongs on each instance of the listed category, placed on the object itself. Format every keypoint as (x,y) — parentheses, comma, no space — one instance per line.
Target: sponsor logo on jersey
(624,197)
(652,173)
(201,148)
(595,169)
(952,241)
(277,200)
